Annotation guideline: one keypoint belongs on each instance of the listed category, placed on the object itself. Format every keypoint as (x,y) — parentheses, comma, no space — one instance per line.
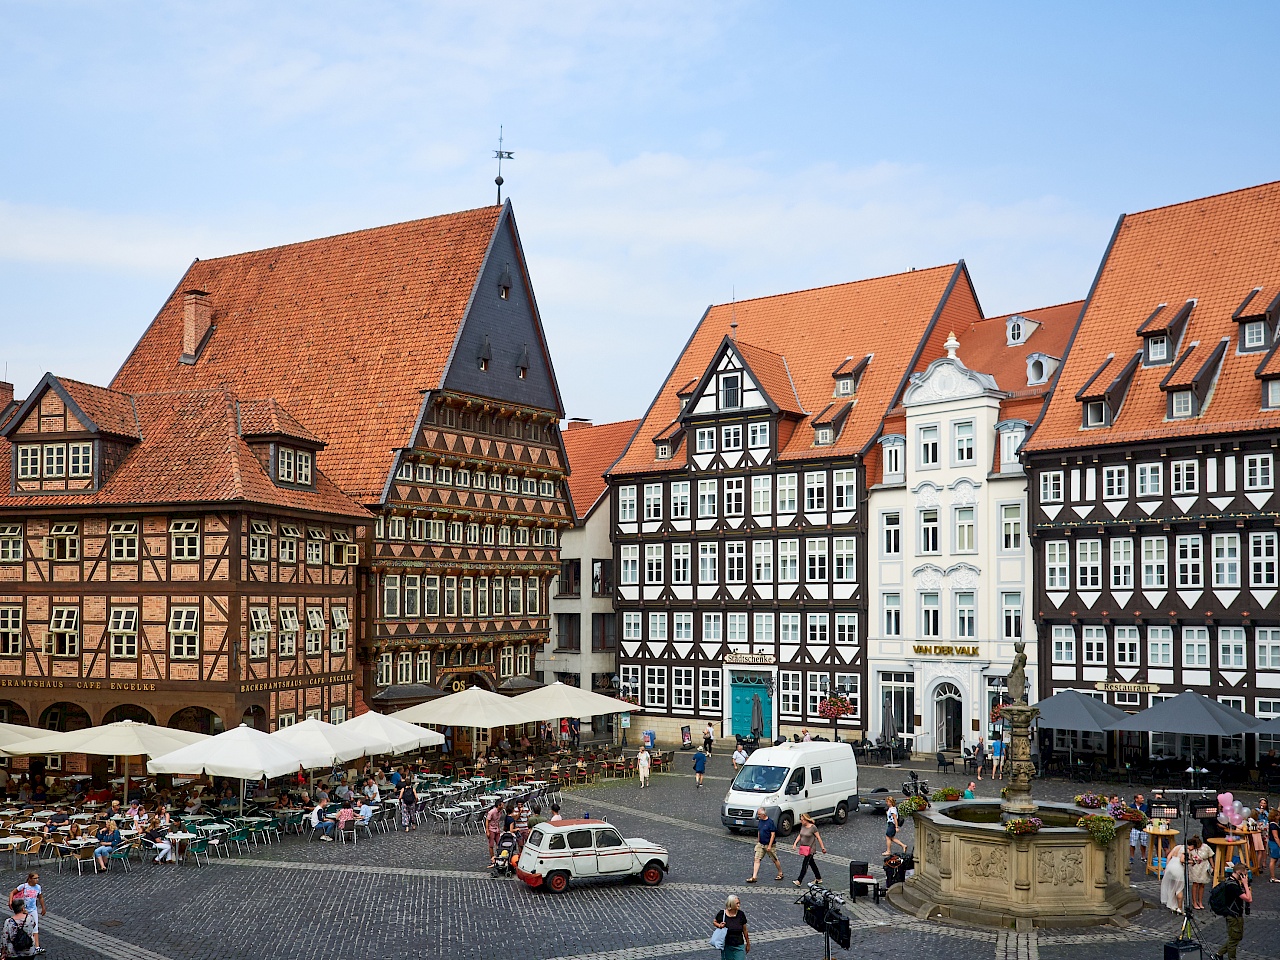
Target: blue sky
(667,155)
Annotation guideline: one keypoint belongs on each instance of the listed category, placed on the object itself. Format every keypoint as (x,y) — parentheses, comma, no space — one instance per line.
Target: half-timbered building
(739,506)
(417,352)
(949,563)
(176,558)
(1153,469)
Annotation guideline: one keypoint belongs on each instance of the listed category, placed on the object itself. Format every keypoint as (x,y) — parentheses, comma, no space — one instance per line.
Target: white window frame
(184,633)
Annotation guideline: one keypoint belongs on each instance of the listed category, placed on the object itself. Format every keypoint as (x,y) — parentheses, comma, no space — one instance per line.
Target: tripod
(1189,930)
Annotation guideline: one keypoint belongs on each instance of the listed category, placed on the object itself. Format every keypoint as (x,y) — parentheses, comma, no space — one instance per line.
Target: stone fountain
(968,868)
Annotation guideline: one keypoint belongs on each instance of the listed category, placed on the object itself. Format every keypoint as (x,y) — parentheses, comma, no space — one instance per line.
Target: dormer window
(663,451)
(1271,394)
(844,386)
(1015,331)
(823,436)
(1018,330)
(1035,372)
(284,465)
(730,391)
(1253,335)
(294,466)
(1181,404)
(504,282)
(894,450)
(1096,414)
(1157,349)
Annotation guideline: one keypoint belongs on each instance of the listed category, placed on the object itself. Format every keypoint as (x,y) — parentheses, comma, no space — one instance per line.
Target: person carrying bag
(730,936)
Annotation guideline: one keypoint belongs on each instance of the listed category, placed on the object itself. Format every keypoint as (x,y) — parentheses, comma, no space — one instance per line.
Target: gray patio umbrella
(890,731)
(1268,726)
(757,716)
(1073,710)
(1190,713)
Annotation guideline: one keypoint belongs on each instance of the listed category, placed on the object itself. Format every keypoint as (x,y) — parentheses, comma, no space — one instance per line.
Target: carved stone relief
(928,577)
(926,495)
(985,862)
(932,848)
(1060,867)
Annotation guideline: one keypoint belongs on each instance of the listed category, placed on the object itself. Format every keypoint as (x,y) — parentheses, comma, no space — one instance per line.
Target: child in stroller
(504,857)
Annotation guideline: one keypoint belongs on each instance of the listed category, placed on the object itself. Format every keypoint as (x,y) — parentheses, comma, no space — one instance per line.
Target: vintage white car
(557,852)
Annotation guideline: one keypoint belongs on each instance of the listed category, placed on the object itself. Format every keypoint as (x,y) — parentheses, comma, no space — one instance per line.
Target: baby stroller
(504,857)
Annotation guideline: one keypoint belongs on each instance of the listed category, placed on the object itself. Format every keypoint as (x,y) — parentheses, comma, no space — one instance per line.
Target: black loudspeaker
(1183,950)
(841,933)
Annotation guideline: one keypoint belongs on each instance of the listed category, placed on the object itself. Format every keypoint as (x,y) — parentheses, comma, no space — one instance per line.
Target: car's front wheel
(558,881)
(651,875)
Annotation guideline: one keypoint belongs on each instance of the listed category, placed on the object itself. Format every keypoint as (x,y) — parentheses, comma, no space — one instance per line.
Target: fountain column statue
(1018,801)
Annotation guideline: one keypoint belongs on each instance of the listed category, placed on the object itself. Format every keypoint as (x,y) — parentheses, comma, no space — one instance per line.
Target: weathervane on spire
(501,155)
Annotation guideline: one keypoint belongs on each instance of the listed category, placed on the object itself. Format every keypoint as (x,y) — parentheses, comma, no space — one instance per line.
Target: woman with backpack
(18,937)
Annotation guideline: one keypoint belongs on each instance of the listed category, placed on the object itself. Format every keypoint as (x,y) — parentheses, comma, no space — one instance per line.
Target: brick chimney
(578,423)
(6,394)
(197,315)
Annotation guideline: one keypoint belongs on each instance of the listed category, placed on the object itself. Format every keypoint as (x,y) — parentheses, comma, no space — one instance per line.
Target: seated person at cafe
(525,745)
(321,822)
(163,846)
(228,799)
(99,795)
(342,791)
(24,791)
(371,790)
(60,817)
(133,811)
(382,781)
(366,812)
(108,839)
(193,805)
(345,816)
(260,791)
(504,745)
(40,792)
(481,762)
(284,801)
(322,794)
(395,778)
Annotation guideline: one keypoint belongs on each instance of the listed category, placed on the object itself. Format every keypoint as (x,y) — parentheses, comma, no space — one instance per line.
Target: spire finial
(733,314)
(501,155)
(952,345)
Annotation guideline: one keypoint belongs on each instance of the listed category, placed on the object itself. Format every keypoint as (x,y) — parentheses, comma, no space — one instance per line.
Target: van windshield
(759,779)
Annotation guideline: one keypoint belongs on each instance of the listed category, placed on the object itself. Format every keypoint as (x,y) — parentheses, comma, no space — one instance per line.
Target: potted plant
(946,794)
(1090,801)
(1022,826)
(1101,827)
(911,805)
(834,707)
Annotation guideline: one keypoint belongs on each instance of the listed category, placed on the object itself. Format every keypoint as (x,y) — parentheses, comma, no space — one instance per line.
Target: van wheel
(785,824)
(558,881)
(651,875)
(842,813)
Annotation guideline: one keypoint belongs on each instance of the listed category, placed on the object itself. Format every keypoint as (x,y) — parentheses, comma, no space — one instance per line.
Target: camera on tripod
(823,911)
(915,787)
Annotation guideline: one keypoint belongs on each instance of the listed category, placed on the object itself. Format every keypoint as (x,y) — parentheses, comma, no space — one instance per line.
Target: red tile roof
(772,376)
(983,346)
(346,332)
(110,411)
(814,331)
(591,451)
(191,453)
(1213,250)
(266,418)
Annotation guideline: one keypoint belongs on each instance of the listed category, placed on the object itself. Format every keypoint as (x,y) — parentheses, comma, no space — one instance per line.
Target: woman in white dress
(1174,880)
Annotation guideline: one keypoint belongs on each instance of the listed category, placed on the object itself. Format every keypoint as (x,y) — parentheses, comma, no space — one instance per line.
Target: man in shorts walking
(766,837)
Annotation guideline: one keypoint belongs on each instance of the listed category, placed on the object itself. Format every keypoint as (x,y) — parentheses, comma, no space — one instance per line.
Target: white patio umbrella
(315,736)
(14,733)
(473,707)
(558,700)
(242,752)
(125,738)
(390,734)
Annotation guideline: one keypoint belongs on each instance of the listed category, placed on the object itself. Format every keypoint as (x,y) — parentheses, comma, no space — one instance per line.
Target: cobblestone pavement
(428,895)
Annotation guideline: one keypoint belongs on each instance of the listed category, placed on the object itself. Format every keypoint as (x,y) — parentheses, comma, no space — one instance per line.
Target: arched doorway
(129,711)
(947,712)
(11,712)
(256,717)
(197,720)
(63,717)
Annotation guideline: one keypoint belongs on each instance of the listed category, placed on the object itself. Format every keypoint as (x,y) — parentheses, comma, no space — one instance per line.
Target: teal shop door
(744,688)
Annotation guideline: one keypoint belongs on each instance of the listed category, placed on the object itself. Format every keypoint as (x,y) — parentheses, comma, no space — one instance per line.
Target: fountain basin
(969,869)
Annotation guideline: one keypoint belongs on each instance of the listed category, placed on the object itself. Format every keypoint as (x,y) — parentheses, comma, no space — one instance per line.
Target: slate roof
(814,331)
(1213,250)
(345,331)
(591,451)
(191,453)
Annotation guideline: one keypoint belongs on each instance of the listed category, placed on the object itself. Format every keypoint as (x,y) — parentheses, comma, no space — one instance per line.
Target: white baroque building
(949,561)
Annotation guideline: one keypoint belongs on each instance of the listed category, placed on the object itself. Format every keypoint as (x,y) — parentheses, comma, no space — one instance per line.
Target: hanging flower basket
(1090,801)
(1022,826)
(629,697)
(1101,827)
(946,794)
(833,708)
(1134,816)
(997,713)
(911,805)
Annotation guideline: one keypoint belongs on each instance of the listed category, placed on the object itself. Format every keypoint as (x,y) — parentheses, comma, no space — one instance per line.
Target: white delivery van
(820,779)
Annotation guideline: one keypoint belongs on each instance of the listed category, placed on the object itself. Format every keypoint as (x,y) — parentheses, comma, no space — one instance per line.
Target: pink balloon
(1227,799)
(1236,819)
(1222,800)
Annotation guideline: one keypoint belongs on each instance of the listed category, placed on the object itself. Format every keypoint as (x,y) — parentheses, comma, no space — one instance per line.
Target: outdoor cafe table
(1225,849)
(1158,849)
(1252,854)
(11,812)
(80,842)
(180,842)
(28,825)
(13,843)
(82,817)
(41,814)
(211,828)
(446,812)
